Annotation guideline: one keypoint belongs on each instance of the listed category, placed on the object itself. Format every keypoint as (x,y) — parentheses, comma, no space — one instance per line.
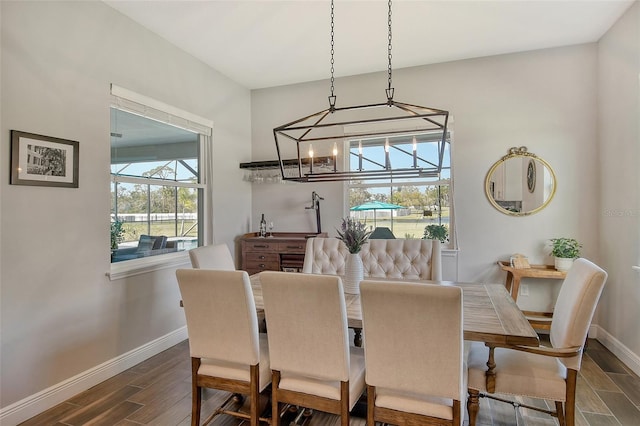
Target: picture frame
(39,160)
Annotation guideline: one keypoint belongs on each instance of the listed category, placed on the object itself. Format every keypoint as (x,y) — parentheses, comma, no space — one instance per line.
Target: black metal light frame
(387,119)
(314,128)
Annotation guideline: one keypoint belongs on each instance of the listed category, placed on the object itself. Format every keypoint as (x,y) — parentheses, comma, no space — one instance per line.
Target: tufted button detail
(399,258)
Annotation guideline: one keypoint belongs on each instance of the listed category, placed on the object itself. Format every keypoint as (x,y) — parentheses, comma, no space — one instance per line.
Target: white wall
(619,210)
(545,100)
(60,314)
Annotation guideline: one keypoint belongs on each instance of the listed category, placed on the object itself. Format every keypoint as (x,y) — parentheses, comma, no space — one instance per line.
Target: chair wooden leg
(254,394)
(371,400)
(570,404)
(196,393)
(275,409)
(344,403)
(457,421)
(560,413)
(473,405)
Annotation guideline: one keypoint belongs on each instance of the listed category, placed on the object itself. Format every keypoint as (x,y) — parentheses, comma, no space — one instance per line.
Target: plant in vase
(354,234)
(565,251)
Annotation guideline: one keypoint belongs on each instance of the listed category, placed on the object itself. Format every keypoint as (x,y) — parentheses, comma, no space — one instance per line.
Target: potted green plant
(117,234)
(565,251)
(436,232)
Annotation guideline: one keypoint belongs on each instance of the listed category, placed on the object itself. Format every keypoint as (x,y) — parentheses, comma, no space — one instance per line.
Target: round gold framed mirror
(520,183)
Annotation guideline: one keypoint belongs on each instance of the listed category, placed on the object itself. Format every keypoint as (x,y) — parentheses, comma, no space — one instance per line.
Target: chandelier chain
(332,50)
(389,46)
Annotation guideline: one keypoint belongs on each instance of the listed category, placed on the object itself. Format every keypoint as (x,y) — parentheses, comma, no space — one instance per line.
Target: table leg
(515,288)
(491,374)
(473,405)
(508,281)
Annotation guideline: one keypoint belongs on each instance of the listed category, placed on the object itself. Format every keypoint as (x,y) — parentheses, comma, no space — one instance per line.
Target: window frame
(134,103)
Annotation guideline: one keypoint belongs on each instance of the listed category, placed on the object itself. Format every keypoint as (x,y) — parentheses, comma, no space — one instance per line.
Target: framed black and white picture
(43,160)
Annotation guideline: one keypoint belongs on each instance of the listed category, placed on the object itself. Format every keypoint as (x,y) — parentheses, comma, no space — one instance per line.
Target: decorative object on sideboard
(263,227)
(519,261)
(565,251)
(43,160)
(372,125)
(354,235)
(315,205)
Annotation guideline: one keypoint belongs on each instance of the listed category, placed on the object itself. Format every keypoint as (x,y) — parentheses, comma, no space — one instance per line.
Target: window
(410,203)
(158,183)
(154,186)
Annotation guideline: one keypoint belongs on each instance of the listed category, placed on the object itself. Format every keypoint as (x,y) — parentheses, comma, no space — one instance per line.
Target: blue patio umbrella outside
(377,205)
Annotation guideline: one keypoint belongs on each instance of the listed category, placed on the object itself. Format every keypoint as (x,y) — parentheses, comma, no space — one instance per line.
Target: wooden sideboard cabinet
(282,252)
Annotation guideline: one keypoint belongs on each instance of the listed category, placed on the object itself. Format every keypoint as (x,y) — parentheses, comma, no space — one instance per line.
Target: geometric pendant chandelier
(320,141)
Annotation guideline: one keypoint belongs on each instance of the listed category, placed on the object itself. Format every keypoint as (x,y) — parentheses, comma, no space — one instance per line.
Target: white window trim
(144,265)
(127,100)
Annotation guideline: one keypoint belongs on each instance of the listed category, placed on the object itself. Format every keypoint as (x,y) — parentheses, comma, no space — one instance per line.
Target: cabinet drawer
(260,246)
(253,267)
(292,247)
(261,257)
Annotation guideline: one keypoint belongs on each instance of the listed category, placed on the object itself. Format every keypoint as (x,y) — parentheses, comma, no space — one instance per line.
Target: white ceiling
(265,43)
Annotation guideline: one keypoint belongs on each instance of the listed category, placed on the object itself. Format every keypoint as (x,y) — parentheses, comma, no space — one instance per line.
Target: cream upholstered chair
(541,372)
(413,341)
(311,361)
(212,257)
(325,256)
(398,258)
(412,259)
(227,352)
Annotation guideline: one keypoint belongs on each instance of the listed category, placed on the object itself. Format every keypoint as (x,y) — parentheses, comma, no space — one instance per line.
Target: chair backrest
(398,258)
(212,257)
(325,256)
(413,337)
(307,323)
(575,306)
(222,322)
(402,259)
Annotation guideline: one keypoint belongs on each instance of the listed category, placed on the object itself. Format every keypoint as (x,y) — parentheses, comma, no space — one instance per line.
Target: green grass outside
(412,225)
(133,230)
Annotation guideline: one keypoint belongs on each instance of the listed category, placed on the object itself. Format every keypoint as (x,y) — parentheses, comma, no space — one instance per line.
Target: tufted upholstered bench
(399,258)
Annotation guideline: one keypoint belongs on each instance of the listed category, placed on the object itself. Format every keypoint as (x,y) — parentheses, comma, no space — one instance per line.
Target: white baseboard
(43,400)
(616,347)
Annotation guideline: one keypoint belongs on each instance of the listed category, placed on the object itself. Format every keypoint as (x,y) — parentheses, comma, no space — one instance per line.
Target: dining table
(489,313)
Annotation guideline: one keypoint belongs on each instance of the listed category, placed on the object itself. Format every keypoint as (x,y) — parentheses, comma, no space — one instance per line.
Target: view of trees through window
(405,206)
(418,206)
(156,209)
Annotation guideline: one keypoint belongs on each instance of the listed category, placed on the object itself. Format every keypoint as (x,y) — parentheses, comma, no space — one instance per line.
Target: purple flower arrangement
(354,234)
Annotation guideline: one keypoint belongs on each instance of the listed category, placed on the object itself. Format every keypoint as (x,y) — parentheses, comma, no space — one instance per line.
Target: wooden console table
(512,283)
(283,251)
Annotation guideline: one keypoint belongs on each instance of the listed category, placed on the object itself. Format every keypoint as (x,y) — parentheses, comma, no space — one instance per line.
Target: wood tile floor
(158,392)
